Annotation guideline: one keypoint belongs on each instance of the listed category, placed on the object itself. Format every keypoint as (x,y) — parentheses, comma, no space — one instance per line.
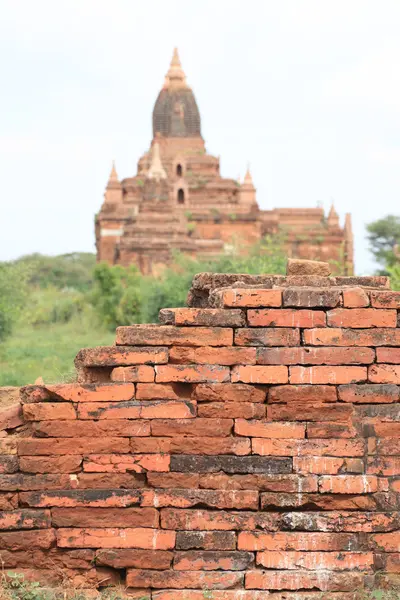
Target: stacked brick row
(230,453)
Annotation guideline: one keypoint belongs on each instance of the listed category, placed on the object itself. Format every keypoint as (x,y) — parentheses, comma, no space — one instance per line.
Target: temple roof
(175,112)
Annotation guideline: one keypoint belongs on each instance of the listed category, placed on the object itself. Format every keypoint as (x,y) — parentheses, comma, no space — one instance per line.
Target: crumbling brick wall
(246,446)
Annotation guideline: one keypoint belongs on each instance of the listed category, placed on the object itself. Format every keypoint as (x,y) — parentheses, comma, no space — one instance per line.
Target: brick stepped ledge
(242,451)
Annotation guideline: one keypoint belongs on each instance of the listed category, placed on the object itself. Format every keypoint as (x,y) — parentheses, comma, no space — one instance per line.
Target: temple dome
(175,112)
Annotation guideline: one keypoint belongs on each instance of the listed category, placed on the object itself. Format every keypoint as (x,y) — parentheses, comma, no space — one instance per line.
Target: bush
(13,295)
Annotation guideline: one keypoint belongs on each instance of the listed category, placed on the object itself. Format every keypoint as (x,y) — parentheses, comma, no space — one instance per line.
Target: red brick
(167,335)
(8,445)
(327,465)
(181,498)
(192,427)
(45,411)
(44,447)
(302,393)
(351,337)
(226,595)
(203,520)
(140,559)
(386,429)
(384,373)
(71,559)
(173,480)
(96,481)
(286,317)
(267,337)
(11,416)
(315,356)
(115,356)
(196,445)
(293,580)
(344,521)
(368,394)
(163,391)
(192,373)
(392,563)
(103,517)
(206,540)
(74,392)
(388,355)
(114,428)
(348,484)
(25,519)
(196,560)
(142,373)
(361,318)
(389,542)
(89,498)
(317,502)
(208,317)
(228,392)
(13,540)
(269,429)
(50,464)
(315,447)
(138,410)
(308,411)
(231,410)
(331,374)
(385,299)
(149,539)
(245,298)
(9,464)
(355,298)
(228,355)
(151,445)
(260,374)
(311,298)
(331,430)
(183,579)
(388,446)
(121,463)
(298,541)
(273,483)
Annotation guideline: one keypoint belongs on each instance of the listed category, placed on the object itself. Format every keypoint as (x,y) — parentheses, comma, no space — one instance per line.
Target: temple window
(179,170)
(181,196)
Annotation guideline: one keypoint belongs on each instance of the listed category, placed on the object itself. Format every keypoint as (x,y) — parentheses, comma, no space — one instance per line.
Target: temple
(178,201)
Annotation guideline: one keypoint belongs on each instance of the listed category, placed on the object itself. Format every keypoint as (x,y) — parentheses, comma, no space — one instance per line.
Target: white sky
(307,91)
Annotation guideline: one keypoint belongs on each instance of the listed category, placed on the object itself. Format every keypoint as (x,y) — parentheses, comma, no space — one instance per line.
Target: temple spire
(248,180)
(113,180)
(333,217)
(175,77)
(156,170)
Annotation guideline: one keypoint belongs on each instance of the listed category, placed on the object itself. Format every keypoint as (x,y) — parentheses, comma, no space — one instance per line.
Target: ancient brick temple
(179,201)
(244,449)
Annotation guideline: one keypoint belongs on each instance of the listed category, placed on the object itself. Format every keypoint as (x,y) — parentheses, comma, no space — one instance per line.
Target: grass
(47,351)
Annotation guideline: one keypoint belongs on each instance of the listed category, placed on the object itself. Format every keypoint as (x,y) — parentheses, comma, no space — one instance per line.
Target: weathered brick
(71,559)
(260,374)
(146,538)
(331,430)
(173,480)
(315,356)
(355,298)
(8,445)
(315,447)
(116,356)
(206,540)
(138,410)
(90,498)
(25,519)
(361,318)
(103,517)
(193,445)
(311,298)
(341,521)
(192,427)
(142,373)
(269,429)
(313,561)
(348,484)
(107,428)
(298,541)
(230,464)
(228,355)
(327,465)
(310,411)
(350,337)
(369,394)
(45,447)
(384,373)
(183,579)
(273,483)
(385,299)
(228,392)
(50,464)
(200,560)
(245,298)
(203,520)
(388,542)
(11,416)
(192,373)
(231,410)
(327,374)
(181,498)
(13,540)
(46,411)
(139,559)
(121,463)
(267,337)
(167,335)
(388,355)
(208,317)
(9,464)
(286,317)
(8,501)
(73,392)
(313,580)
(307,501)
(230,595)
(302,393)
(163,391)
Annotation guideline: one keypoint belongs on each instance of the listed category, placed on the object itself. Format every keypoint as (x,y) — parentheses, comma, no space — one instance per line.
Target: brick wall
(248,446)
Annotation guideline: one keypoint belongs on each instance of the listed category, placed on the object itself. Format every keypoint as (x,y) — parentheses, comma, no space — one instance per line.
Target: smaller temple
(178,200)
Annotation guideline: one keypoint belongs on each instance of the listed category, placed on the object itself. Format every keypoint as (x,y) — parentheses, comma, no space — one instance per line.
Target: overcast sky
(307,91)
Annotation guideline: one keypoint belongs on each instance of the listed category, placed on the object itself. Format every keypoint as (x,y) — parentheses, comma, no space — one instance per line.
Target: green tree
(64,271)
(383,237)
(13,295)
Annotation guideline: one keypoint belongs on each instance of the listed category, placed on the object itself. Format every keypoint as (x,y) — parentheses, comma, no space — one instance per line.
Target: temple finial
(156,170)
(333,217)
(248,180)
(113,181)
(175,77)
